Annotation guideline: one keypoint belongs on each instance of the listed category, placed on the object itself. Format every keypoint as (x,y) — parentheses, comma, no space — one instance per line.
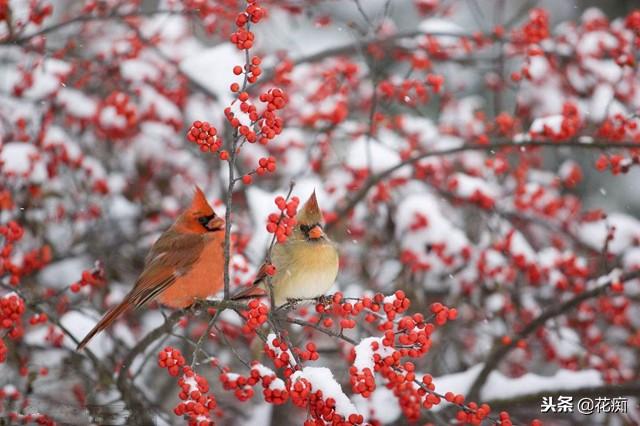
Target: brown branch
(89,18)
(232,181)
(125,386)
(385,42)
(374,180)
(500,350)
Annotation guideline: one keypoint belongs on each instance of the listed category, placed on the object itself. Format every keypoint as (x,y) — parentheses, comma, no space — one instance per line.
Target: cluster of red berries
(11,232)
(270,124)
(568,128)
(240,385)
(38,11)
(616,163)
(266,165)
(11,310)
(282,224)
(171,359)
(505,124)
(205,135)
(632,22)
(38,319)
(242,37)
(4,9)
(376,308)
(322,409)
(255,316)
(410,91)
(251,70)
(535,29)
(413,262)
(443,314)
(362,381)
(94,277)
(25,419)
(3,351)
(619,128)
(477,197)
(197,403)
(473,414)
(436,81)
(274,389)
(117,116)
(279,352)
(309,354)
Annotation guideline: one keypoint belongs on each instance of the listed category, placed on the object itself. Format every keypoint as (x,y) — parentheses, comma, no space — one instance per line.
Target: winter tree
(475,163)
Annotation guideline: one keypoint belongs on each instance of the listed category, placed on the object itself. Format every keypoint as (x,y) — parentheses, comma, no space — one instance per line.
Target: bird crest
(310,212)
(199,203)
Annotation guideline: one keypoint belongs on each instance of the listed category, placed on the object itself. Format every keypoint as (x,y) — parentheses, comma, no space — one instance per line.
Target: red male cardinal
(184,264)
(306,263)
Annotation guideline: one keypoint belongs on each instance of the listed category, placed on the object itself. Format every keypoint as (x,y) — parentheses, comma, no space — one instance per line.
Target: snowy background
(94,163)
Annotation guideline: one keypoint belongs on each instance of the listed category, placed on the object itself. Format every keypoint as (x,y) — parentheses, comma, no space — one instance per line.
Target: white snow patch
(381,157)
(499,386)
(64,272)
(321,379)
(382,405)
(440,28)
(566,342)
(538,67)
(631,259)
(365,352)
(605,69)
(213,68)
(79,325)
(590,42)
(138,70)
(554,122)
(469,185)
(23,159)
(594,234)
(77,103)
(600,101)
(440,229)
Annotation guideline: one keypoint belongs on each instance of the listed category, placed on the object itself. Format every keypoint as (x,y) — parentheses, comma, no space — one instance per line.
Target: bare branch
(500,350)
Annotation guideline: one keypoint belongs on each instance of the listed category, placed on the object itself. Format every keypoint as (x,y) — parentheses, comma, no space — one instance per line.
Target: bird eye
(205,219)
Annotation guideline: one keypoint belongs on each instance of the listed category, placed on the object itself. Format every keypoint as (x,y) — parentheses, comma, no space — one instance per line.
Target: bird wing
(171,257)
(280,260)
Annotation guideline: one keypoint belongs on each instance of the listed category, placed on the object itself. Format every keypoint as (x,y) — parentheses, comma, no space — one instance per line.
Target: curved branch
(374,180)
(500,350)
(122,383)
(88,18)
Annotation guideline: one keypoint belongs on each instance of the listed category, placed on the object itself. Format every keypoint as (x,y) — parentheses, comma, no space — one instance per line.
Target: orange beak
(216,224)
(315,232)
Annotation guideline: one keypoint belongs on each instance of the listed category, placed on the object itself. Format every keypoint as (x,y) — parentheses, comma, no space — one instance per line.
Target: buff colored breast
(203,279)
(304,270)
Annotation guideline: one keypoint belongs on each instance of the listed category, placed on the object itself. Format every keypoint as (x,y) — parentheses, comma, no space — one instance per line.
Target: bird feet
(290,305)
(324,299)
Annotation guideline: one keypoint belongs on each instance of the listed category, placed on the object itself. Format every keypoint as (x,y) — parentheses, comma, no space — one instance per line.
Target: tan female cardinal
(184,264)
(306,263)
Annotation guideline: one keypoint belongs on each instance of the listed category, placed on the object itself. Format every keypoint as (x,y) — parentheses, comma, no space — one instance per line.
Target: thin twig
(500,350)
(89,18)
(374,180)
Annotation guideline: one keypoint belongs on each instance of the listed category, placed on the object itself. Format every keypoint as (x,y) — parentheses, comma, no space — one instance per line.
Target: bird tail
(249,293)
(105,322)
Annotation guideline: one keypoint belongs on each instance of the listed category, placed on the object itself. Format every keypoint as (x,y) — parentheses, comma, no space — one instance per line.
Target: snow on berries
(12,308)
